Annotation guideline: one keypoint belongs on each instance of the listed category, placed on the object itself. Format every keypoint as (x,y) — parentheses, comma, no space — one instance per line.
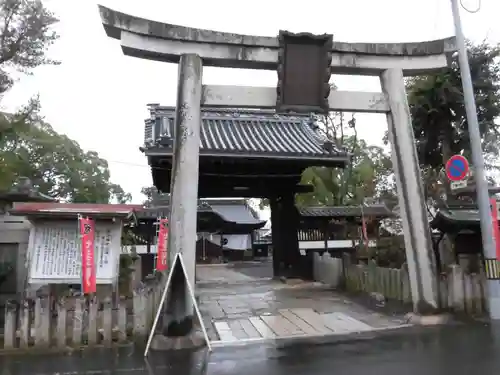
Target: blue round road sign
(457,168)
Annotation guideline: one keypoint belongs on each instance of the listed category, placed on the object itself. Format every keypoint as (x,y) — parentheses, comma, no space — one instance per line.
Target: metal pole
(477,158)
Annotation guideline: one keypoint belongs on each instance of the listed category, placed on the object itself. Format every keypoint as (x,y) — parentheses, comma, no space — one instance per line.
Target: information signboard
(55,255)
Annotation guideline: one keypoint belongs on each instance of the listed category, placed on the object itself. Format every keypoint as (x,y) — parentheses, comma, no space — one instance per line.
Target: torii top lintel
(159,41)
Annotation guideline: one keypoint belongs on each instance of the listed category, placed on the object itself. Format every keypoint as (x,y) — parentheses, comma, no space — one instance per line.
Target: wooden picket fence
(45,322)
(459,291)
(389,282)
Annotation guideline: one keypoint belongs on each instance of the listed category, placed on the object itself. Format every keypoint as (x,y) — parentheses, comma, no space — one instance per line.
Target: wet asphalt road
(458,350)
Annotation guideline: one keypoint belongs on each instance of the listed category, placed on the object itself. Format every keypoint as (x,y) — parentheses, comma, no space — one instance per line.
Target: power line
(132,164)
(53,142)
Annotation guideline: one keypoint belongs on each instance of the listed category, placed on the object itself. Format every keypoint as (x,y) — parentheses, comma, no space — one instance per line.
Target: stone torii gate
(302,86)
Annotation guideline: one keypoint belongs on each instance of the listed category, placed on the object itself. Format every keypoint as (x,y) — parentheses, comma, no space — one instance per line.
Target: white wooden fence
(458,291)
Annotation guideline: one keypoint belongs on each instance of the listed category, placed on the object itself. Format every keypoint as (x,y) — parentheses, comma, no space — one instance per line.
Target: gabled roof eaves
(249,134)
(240,214)
(72,210)
(379,210)
(223,213)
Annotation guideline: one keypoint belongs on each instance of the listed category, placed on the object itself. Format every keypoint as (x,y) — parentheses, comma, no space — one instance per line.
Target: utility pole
(483,199)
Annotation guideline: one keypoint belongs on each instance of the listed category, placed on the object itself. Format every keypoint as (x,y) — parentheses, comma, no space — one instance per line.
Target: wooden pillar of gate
(276,233)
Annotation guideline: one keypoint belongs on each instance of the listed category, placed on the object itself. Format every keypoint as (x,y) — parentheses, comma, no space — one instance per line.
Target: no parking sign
(457,168)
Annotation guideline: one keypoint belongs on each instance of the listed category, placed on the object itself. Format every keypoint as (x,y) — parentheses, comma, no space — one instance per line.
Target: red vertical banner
(161,259)
(87,230)
(496,230)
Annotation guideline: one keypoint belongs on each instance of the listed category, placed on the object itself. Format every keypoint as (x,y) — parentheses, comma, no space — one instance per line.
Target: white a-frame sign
(177,259)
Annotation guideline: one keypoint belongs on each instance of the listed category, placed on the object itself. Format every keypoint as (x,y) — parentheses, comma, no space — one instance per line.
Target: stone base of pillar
(177,329)
(293,272)
(194,340)
(426,309)
(429,320)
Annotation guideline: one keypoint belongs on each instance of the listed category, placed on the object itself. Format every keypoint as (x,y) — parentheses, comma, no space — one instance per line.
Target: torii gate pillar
(411,194)
(390,61)
(178,320)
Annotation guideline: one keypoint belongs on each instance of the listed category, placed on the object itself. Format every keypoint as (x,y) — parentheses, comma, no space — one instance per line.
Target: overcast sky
(98,96)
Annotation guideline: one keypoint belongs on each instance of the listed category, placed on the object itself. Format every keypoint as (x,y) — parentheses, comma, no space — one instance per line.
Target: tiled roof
(225,201)
(457,215)
(471,189)
(346,211)
(236,214)
(31,196)
(239,204)
(453,221)
(237,133)
(164,210)
(24,191)
(164,200)
(470,216)
(69,210)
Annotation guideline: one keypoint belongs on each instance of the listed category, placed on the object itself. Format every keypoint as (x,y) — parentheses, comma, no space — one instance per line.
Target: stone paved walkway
(239,303)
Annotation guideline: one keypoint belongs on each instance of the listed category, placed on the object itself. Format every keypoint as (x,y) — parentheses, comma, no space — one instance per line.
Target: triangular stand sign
(178,258)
